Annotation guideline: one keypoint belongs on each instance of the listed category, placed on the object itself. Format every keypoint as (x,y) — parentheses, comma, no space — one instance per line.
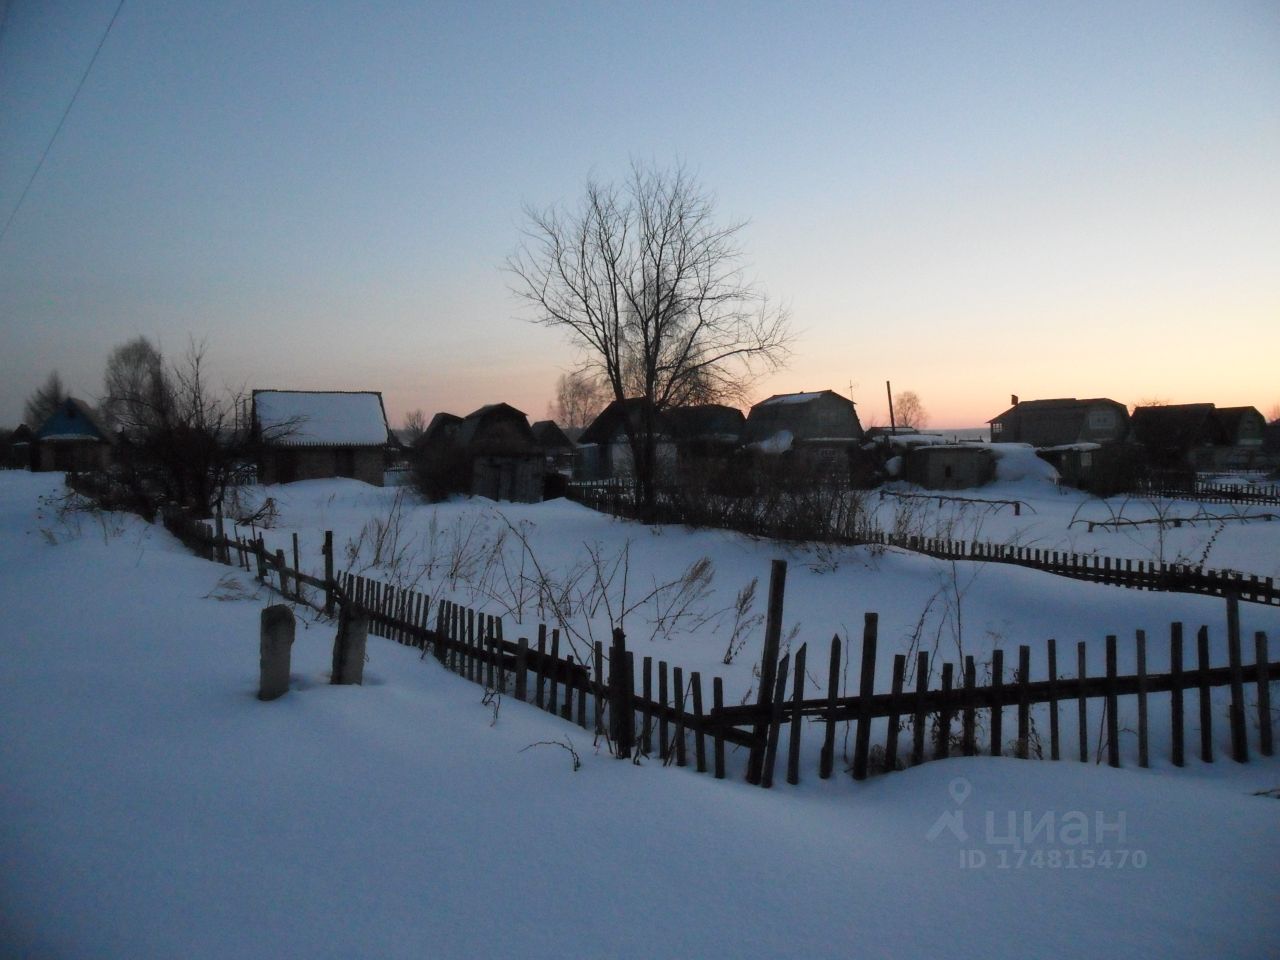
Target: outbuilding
(315,434)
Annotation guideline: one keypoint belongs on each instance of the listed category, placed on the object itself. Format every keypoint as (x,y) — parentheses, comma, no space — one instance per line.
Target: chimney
(1013,400)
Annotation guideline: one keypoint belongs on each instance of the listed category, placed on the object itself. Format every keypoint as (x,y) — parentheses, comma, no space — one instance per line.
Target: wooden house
(1060,422)
(316,434)
(556,447)
(811,430)
(506,461)
(604,452)
(73,438)
(1200,436)
(492,452)
(21,449)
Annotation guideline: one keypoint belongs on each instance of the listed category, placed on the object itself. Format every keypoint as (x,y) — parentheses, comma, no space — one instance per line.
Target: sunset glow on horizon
(969,201)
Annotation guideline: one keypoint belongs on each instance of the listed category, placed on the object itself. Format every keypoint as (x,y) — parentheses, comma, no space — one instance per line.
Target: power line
(65,113)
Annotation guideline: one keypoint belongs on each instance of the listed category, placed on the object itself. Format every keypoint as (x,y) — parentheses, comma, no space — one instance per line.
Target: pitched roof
(821,415)
(1174,425)
(1059,404)
(476,424)
(549,436)
(441,428)
(610,422)
(330,418)
(708,421)
(73,420)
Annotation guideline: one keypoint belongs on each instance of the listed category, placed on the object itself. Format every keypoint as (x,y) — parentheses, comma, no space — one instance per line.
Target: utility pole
(893,427)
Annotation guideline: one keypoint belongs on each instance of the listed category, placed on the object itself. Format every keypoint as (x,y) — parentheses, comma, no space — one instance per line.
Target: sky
(970,200)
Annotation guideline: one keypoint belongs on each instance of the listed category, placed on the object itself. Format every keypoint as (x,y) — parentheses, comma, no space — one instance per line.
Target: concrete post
(348,647)
(275,650)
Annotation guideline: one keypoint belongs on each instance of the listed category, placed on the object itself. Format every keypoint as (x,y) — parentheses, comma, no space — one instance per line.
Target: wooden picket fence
(609,497)
(1239,493)
(661,711)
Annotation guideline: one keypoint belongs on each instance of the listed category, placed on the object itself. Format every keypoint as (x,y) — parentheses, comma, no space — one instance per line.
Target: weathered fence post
(1206,707)
(1143,755)
(997,702)
(1024,702)
(620,712)
(775,721)
(717,704)
(1112,707)
(895,715)
(328,573)
(1175,693)
(797,701)
(1239,738)
(1082,703)
(827,759)
(1054,751)
(275,651)
(1261,668)
(768,668)
(348,647)
(866,689)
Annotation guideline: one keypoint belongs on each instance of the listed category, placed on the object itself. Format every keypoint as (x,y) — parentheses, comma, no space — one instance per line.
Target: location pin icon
(959,788)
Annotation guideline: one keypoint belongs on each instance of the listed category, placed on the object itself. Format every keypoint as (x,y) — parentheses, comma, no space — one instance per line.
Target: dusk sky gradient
(968,199)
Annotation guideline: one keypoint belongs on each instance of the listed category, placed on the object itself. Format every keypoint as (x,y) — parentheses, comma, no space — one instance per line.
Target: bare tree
(135,386)
(415,425)
(184,440)
(42,403)
(1273,415)
(909,411)
(653,292)
(580,396)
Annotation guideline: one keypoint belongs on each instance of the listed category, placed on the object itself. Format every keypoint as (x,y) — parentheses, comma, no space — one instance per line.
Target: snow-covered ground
(150,806)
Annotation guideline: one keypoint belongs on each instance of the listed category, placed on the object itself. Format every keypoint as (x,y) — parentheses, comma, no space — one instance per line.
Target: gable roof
(441,429)
(1054,422)
(476,424)
(707,421)
(549,436)
(1176,425)
(820,415)
(73,420)
(1057,405)
(610,422)
(1231,419)
(320,418)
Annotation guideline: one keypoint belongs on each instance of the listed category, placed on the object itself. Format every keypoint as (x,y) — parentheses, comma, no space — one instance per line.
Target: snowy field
(150,806)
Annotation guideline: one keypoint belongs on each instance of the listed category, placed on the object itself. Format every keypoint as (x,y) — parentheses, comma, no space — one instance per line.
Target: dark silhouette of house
(316,434)
(21,449)
(1054,423)
(812,430)
(491,452)
(73,438)
(555,445)
(1200,436)
(604,451)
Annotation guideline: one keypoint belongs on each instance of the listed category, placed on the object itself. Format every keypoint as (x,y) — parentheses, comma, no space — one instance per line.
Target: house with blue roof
(73,438)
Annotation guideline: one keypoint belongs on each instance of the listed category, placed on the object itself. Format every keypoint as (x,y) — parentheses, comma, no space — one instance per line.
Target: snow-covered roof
(792,398)
(320,418)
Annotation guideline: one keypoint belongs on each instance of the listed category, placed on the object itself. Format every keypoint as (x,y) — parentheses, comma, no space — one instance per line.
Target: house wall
(517,479)
(288,464)
(76,455)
